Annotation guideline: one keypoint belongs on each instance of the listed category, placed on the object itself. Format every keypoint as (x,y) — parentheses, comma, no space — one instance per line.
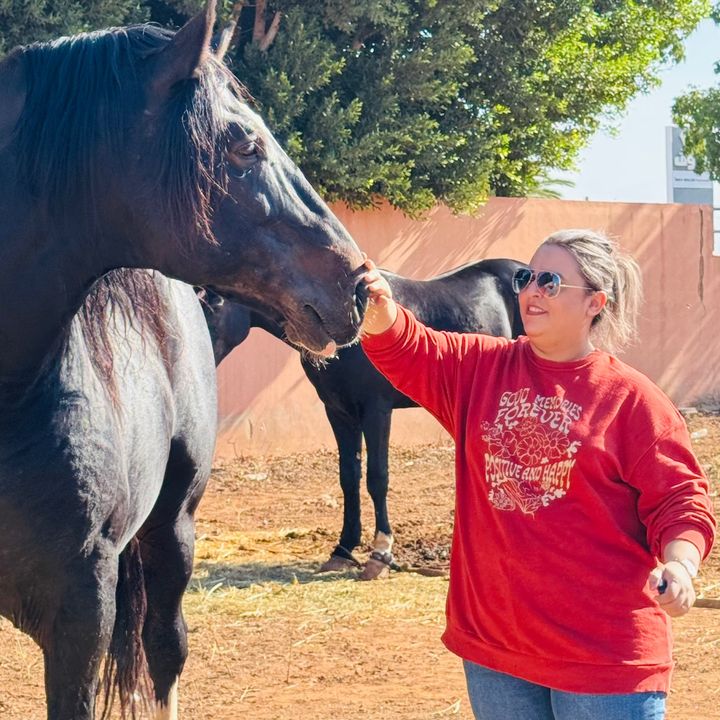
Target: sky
(630,166)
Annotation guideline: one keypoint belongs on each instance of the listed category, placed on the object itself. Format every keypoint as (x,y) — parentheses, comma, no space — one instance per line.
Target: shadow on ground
(208,574)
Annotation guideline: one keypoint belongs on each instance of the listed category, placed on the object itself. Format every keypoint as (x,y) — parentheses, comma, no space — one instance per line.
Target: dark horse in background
(359,401)
(122,150)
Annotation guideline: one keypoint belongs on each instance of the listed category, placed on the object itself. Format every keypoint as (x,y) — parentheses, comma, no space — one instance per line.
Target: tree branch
(259,24)
(229,31)
(362,36)
(267,41)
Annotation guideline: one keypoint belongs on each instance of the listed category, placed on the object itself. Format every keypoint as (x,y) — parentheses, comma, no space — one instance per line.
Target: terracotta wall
(267,405)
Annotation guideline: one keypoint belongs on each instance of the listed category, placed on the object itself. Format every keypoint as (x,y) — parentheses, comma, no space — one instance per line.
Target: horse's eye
(246,149)
(243,155)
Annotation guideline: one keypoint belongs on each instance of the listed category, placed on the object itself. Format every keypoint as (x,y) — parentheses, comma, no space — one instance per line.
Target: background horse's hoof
(337,564)
(375,570)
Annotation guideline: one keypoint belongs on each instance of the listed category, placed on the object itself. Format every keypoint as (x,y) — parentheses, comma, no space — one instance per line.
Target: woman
(581,513)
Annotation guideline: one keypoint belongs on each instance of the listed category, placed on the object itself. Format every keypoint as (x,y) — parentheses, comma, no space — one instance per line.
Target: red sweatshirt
(570,478)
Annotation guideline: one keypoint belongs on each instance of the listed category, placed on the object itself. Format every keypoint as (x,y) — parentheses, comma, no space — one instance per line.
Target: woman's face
(565,319)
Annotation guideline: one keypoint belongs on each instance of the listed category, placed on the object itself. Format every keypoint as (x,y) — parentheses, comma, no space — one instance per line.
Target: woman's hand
(382,310)
(672,582)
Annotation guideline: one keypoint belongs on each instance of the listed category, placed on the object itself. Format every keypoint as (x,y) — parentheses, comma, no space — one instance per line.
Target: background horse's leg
(348,436)
(79,637)
(376,428)
(167,542)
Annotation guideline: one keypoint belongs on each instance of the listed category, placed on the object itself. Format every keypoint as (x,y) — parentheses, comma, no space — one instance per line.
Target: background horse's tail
(125,674)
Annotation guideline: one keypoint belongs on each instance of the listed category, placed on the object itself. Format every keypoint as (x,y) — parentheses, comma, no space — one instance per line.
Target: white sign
(684,185)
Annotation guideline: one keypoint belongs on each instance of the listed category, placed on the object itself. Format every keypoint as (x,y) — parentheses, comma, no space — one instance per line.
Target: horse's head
(173,170)
(258,232)
(265,237)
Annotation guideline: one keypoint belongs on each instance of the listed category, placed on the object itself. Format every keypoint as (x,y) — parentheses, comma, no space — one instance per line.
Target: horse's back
(476,297)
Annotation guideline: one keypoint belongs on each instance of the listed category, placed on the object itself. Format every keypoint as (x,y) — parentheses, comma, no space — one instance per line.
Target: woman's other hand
(672,582)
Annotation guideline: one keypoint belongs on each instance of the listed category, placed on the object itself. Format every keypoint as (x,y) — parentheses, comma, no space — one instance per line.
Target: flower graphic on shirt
(528,463)
(530,449)
(500,499)
(508,496)
(557,444)
(501,442)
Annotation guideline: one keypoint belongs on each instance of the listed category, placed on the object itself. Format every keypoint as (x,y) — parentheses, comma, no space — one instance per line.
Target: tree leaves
(698,114)
(457,100)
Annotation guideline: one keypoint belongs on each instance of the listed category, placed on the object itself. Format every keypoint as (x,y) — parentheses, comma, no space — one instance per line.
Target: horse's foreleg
(167,554)
(79,638)
(376,428)
(349,441)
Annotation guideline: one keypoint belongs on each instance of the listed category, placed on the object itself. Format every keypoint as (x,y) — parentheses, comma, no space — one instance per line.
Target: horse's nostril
(361,298)
(360,304)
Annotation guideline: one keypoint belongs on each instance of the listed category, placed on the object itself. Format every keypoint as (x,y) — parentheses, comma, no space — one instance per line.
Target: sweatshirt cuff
(684,531)
(387,337)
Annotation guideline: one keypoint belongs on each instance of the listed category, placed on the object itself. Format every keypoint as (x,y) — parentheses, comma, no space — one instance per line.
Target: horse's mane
(83,93)
(124,298)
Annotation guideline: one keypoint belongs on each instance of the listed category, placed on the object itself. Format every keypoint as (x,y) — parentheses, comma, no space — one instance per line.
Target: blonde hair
(605,266)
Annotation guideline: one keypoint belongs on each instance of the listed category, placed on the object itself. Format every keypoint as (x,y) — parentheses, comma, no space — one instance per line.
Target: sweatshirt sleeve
(674,500)
(423,363)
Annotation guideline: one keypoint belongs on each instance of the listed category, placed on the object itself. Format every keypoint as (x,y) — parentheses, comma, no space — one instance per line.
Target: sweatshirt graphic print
(530,454)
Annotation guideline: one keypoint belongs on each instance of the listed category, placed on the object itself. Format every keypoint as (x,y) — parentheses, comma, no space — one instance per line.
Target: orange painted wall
(267,405)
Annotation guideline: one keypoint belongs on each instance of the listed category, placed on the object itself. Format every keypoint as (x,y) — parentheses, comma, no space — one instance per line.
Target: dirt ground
(272,640)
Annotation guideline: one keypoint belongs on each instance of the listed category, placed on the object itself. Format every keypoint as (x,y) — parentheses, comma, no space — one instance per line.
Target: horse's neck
(42,286)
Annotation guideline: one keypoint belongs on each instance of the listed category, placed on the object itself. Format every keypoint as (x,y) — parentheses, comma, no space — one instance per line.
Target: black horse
(359,401)
(121,150)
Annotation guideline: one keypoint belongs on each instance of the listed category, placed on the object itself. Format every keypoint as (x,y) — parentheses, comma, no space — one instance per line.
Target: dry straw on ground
(271,640)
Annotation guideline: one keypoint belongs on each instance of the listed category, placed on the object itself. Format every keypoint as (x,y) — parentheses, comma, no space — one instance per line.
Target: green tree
(27,21)
(421,100)
(697,112)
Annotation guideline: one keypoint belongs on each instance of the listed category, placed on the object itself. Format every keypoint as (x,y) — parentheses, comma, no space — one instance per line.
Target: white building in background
(684,185)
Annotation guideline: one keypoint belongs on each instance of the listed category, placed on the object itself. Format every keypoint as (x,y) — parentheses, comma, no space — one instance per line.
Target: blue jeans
(497,696)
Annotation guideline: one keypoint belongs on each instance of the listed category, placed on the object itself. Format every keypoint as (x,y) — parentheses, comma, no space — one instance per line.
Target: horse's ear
(187,51)
(12,96)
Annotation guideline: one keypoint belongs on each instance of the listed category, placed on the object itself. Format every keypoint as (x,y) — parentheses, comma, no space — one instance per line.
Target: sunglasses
(548,283)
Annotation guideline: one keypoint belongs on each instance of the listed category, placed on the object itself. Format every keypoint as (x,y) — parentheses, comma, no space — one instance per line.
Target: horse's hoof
(375,570)
(336,564)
